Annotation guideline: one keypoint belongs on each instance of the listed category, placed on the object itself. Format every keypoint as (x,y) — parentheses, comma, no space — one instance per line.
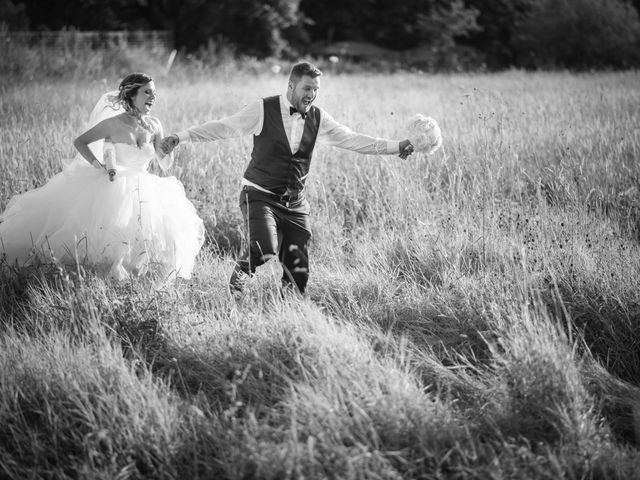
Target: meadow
(471,314)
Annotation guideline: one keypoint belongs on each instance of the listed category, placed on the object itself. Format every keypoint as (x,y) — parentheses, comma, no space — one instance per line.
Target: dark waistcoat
(273,165)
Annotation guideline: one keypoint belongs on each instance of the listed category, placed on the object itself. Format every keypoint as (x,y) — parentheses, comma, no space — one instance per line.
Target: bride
(105,210)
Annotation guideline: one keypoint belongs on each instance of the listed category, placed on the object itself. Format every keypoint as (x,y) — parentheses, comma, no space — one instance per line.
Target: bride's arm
(98,132)
(164,161)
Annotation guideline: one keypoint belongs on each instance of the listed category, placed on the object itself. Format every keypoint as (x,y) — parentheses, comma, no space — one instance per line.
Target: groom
(275,210)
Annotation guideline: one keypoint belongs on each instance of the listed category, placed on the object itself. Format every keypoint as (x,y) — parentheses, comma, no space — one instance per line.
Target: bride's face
(145,97)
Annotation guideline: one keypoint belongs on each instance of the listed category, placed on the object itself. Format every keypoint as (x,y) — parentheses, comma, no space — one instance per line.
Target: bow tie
(293,110)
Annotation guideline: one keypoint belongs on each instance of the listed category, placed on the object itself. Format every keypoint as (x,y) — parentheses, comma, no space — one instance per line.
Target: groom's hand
(169,143)
(406,149)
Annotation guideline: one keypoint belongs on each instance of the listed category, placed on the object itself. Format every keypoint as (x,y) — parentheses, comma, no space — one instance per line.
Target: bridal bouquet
(424,134)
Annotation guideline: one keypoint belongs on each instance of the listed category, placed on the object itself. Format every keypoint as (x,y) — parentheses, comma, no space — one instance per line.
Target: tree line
(576,34)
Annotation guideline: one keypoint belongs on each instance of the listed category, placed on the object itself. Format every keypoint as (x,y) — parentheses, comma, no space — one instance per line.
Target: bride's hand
(111,171)
(97,165)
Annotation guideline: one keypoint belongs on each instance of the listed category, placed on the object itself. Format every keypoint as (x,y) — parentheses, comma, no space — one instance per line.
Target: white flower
(424,134)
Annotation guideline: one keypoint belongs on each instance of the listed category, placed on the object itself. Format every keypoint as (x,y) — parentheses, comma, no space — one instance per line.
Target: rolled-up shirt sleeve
(247,121)
(338,135)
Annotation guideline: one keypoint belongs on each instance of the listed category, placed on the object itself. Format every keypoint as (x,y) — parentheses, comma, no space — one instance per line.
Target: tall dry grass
(470,315)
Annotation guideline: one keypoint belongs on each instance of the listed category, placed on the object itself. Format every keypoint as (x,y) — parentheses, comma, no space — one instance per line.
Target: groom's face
(303,92)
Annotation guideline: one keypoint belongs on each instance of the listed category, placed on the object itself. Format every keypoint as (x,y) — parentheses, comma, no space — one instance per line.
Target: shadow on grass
(233,382)
(231,376)
(20,289)
(445,325)
(610,331)
(47,297)
(14,295)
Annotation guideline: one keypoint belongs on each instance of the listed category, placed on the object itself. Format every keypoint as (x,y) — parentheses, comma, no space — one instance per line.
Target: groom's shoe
(238,281)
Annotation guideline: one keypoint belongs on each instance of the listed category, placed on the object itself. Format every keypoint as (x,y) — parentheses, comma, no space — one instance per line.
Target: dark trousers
(276,226)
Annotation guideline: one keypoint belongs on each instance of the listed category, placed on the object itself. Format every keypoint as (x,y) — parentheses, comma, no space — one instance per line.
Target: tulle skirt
(139,223)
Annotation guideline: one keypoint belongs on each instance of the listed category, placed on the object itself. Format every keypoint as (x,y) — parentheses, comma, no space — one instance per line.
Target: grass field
(473,314)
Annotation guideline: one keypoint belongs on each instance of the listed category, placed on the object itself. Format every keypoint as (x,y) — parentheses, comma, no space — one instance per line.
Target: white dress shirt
(249,120)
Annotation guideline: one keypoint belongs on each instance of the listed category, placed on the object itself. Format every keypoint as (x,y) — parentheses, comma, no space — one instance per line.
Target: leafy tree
(256,28)
(535,33)
(578,34)
(497,26)
(13,16)
(81,14)
(412,23)
(338,20)
(441,29)
(393,24)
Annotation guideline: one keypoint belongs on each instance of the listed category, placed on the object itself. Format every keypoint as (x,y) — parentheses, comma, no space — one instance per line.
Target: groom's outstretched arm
(247,121)
(338,135)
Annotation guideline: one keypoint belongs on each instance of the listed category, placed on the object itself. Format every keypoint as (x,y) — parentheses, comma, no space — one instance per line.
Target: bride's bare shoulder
(113,122)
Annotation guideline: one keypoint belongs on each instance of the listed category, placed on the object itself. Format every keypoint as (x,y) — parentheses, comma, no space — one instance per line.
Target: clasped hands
(167,144)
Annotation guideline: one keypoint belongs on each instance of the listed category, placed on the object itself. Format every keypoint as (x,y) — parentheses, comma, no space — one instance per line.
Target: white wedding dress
(136,224)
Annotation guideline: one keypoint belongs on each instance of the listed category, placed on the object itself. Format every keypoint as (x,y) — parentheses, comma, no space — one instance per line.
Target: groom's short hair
(302,69)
